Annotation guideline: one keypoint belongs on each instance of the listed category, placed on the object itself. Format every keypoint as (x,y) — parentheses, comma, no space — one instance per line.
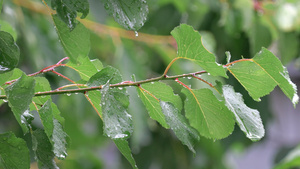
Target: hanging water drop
(189,77)
(120,88)
(152,82)
(5,100)
(136,33)
(68,94)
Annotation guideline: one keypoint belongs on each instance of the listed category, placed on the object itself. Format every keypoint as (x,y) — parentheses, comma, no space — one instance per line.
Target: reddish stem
(178,81)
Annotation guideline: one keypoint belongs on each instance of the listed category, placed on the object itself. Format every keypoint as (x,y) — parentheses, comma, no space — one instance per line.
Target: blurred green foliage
(239,26)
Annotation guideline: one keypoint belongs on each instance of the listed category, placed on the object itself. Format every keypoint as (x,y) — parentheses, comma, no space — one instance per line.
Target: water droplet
(76,93)
(214,140)
(136,33)
(5,100)
(68,94)
(208,74)
(121,88)
(189,77)
(152,82)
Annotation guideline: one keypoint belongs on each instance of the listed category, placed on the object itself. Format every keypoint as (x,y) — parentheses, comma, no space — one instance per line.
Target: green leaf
(67,10)
(125,150)
(159,91)
(185,133)
(261,74)
(52,123)
(207,114)
(43,150)
(41,85)
(86,67)
(76,43)
(248,119)
(13,152)
(5,26)
(131,14)
(19,95)
(190,47)
(117,121)
(4,77)
(292,160)
(9,52)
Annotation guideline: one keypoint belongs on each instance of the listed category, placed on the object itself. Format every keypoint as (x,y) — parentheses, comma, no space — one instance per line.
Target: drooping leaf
(131,14)
(261,74)
(159,91)
(13,152)
(19,96)
(185,133)
(117,121)
(67,10)
(52,123)
(76,43)
(207,114)
(190,47)
(125,150)
(9,52)
(43,150)
(292,160)
(248,119)
(86,67)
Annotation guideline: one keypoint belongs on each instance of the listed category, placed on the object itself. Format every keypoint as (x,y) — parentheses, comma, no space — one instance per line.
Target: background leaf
(190,47)
(67,10)
(186,134)
(76,43)
(207,114)
(13,152)
(43,150)
(131,14)
(9,52)
(160,91)
(19,96)
(248,119)
(266,71)
(125,150)
(292,160)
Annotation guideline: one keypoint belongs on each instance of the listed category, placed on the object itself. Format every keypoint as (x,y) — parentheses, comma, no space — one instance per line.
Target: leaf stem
(122,84)
(236,61)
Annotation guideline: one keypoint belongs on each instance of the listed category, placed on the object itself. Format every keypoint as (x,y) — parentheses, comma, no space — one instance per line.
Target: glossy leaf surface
(207,114)
(19,96)
(67,10)
(184,132)
(131,14)
(248,119)
(190,47)
(154,91)
(9,52)
(76,43)
(43,150)
(13,152)
(261,74)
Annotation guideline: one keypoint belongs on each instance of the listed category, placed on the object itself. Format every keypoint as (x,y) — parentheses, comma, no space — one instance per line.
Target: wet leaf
(9,52)
(76,43)
(190,47)
(43,150)
(125,150)
(207,114)
(52,122)
(67,10)
(248,119)
(117,121)
(19,96)
(102,77)
(159,91)
(13,152)
(184,132)
(131,14)
(261,74)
